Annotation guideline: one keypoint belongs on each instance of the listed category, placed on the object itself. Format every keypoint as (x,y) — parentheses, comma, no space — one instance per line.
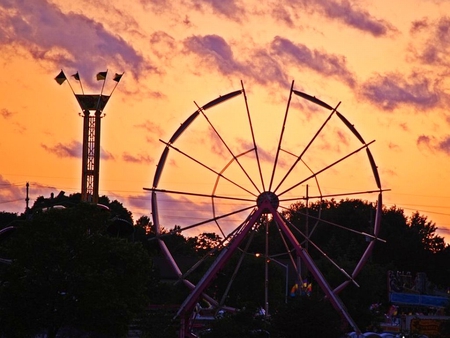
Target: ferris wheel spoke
(199,195)
(299,157)
(204,222)
(362,233)
(288,250)
(328,167)
(237,268)
(342,270)
(211,252)
(5,261)
(182,128)
(351,193)
(253,137)
(333,195)
(275,162)
(219,174)
(228,148)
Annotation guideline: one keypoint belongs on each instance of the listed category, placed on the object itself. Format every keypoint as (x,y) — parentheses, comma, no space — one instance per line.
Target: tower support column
(90,171)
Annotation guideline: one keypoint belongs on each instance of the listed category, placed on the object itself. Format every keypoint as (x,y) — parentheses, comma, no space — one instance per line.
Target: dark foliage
(67,272)
(306,317)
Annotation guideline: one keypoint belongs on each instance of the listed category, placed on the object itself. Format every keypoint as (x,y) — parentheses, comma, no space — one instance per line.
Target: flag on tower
(117,77)
(61,77)
(101,76)
(76,76)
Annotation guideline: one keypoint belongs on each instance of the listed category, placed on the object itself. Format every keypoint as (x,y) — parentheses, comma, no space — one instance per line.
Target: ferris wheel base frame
(184,312)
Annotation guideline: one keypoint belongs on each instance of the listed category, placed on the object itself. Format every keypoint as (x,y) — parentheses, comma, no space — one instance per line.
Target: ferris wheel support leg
(182,332)
(319,277)
(189,303)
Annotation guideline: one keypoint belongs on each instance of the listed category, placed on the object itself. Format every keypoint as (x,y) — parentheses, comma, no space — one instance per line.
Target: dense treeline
(65,250)
(66,272)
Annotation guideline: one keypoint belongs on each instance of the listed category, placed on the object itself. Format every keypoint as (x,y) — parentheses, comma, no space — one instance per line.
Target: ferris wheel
(229,172)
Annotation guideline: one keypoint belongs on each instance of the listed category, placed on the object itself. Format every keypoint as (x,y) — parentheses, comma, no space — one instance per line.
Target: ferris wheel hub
(268,196)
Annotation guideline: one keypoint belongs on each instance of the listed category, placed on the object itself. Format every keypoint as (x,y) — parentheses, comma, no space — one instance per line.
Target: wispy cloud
(266,65)
(73,149)
(139,158)
(10,192)
(5,113)
(281,14)
(321,62)
(227,8)
(346,12)
(393,146)
(435,144)
(354,17)
(265,69)
(215,51)
(67,39)
(13,194)
(163,45)
(436,47)
(151,127)
(390,91)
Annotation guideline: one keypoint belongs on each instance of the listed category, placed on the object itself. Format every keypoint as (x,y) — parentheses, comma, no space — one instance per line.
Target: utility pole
(27,199)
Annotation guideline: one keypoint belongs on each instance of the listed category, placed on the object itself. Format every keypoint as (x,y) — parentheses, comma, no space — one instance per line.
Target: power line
(11,201)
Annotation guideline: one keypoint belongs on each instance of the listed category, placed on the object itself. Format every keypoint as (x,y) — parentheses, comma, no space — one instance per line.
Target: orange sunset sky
(387,63)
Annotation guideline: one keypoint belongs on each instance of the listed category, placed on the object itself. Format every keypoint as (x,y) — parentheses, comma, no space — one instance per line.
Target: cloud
(419,25)
(6,114)
(434,144)
(140,158)
(265,69)
(393,146)
(423,139)
(215,51)
(227,8)
(67,39)
(404,126)
(264,66)
(106,155)
(354,17)
(163,45)
(140,202)
(390,91)
(158,6)
(73,149)
(183,211)
(281,14)
(151,127)
(342,137)
(10,192)
(435,47)
(347,13)
(321,62)
(444,145)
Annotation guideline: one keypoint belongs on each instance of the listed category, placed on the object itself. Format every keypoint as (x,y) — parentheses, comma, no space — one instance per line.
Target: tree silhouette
(67,273)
